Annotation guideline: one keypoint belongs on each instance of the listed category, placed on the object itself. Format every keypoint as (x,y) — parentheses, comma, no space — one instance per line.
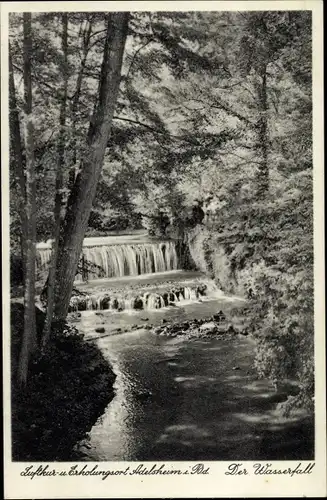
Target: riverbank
(67,391)
(180,398)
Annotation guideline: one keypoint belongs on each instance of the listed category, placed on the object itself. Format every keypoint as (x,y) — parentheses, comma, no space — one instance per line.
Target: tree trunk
(77,94)
(17,159)
(82,195)
(59,186)
(263,174)
(29,335)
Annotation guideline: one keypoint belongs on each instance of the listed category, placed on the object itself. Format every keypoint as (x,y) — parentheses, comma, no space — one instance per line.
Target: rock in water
(138,303)
(219,317)
(209,327)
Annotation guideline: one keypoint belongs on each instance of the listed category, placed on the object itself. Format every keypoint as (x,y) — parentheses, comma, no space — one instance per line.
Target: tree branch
(227,109)
(135,56)
(142,124)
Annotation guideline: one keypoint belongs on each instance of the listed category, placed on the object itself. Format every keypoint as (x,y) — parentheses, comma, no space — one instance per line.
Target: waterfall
(146,300)
(117,260)
(133,259)
(190,294)
(43,256)
(153,301)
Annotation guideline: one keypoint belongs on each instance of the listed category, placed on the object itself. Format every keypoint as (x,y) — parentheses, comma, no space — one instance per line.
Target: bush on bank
(67,391)
(264,251)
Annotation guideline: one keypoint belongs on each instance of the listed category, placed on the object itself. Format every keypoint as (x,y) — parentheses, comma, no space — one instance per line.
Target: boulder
(114,303)
(219,317)
(100,329)
(105,301)
(209,327)
(138,303)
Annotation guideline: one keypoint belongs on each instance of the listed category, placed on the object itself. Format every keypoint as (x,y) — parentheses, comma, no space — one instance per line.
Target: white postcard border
(215,484)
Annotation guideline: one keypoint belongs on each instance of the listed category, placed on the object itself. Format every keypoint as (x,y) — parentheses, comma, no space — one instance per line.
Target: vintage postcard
(163,249)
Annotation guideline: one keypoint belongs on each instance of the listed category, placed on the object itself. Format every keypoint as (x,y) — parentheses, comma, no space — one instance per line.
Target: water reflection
(183,400)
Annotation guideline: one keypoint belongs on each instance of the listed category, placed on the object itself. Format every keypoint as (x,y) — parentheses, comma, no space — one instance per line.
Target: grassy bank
(68,389)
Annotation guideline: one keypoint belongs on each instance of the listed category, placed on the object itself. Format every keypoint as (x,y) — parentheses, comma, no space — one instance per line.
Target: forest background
(195,125)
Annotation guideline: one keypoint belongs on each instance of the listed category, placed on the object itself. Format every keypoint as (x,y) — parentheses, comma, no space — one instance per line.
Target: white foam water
(119,260)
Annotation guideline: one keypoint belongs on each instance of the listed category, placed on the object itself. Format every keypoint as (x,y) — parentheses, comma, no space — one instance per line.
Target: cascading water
(118,260)
(144,300)
(133,259)
(121,261)
(43,256)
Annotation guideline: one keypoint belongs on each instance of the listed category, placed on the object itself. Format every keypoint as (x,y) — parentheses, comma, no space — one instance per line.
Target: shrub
(267,247)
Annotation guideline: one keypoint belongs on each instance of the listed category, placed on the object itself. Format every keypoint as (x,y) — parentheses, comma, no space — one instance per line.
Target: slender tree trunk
(29,335)
(263,174)
(76,98)
(58,187)
(82,195)
(17,159)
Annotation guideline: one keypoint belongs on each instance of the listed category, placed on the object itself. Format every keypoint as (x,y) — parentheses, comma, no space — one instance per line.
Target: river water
(179,399)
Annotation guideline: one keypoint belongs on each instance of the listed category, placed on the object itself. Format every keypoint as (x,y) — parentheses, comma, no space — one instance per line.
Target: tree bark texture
(82,195)
(17,159)
(86,47)
(58,187)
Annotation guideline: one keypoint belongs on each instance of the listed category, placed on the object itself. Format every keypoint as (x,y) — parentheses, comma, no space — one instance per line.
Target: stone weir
(137,300)
(118,256)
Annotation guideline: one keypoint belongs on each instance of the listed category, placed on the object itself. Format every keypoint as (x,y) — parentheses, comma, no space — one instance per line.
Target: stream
(178,399)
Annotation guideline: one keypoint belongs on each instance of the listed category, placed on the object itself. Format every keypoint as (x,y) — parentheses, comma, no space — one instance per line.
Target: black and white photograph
(161,251)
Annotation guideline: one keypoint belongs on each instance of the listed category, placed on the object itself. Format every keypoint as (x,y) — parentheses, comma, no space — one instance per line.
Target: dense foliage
(211,144)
